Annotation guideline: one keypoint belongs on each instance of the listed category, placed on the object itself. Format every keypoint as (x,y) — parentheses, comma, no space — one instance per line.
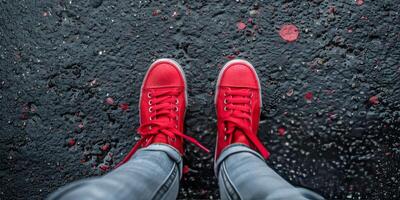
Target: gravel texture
(71,71)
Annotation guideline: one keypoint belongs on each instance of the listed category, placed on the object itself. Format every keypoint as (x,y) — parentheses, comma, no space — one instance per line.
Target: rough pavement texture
(71,74)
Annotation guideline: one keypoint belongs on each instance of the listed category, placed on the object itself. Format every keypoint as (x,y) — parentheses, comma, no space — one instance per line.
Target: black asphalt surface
(70,75)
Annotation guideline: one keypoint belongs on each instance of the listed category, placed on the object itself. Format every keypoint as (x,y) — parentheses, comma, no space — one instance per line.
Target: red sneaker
(162,108)
(238,104)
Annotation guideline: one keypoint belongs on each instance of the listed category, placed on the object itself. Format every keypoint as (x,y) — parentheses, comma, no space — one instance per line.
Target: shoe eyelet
(225,129)
(177,101)
(150,109)
(225,101)
(150,127)
(150,102)
(176,109)
(225,108)
(225,138)
(251,95)
(173,139)
(225,94)
(176,126)
(149,95)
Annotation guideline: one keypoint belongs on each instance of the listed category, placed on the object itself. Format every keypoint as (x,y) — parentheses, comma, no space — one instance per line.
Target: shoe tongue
(240,137)
(164,118)
(160,138)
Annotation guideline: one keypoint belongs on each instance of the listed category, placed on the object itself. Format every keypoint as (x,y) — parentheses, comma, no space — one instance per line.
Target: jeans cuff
(233,149)
(169,150)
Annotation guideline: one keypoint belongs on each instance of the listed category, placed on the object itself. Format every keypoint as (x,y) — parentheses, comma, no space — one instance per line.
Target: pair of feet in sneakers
(163,103)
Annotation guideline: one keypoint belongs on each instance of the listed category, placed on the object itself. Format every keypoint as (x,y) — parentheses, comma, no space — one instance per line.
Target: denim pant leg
(243,174)
(152,173)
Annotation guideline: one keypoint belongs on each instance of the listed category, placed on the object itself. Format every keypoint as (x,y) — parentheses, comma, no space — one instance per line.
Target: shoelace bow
(163,107)
(238,101)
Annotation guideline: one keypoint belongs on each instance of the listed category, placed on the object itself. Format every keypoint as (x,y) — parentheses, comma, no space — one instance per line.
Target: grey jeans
(154,173)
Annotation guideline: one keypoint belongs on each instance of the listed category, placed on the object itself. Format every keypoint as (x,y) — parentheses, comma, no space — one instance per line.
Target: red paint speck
(71,142)
(105,147)
(104,167)
(93,82)
(359,2)
(349,30)
(110,101)
(332,116)
(124,106)
(230,57)
(308,96)
(25,108)
(186,169)
(281,131)
(332,10)
(24,116)
(156,12)
(80,125)
(18,55)
(290,92)
(374,100)
(240,25)
(289,32)
(255,27)
(45,14)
